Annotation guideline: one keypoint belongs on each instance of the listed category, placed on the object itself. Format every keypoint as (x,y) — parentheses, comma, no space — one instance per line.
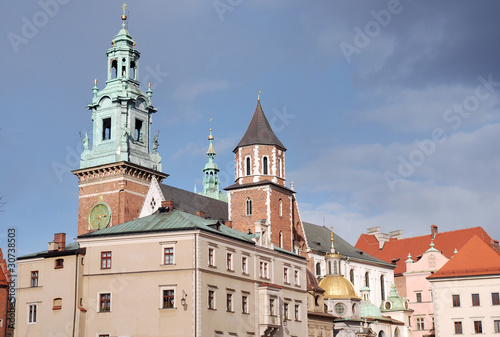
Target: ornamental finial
(124,16)
(258,94)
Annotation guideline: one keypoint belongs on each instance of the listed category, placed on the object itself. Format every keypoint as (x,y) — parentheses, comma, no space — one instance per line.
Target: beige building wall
(446,314)
(53,317)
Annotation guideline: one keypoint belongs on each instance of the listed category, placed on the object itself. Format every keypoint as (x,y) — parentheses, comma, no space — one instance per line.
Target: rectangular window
(229,261)
(168,298)
(285,311)
(496,324)
(104,302)
(229,302)
(297,312)
(296,277)
(34,278)
(285,275)
(420,323)
(418,297)
(168,255)
(475,300)
(106,128)
(138,130)
(264,272)
(244,265)
(32,313)
(211,260)
(244,304)
(478,327)
(456,300)
(495,299)
(272,308)
(59,264)
(211,299)
(105,260)
(458,328)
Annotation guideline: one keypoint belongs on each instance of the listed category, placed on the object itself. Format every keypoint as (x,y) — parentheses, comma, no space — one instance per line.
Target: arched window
(264,166)
(249,206)
(318,269)
(281,239)
(367,280)
(351,276)
(249,166)
(382,287)
(335,268)
(281,207)
(279,167)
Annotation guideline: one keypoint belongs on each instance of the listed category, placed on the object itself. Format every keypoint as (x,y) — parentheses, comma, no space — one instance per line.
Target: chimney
(229,224)
(434,231)
(201,213)
(373,230)
(60,240)
(398,234)
(494,245)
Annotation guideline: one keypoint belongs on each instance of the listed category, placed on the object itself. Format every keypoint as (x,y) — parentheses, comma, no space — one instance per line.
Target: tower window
(264,166)
(382,287)
(124,68)
(367,280)
(351,276)
(279,167)
(138,130)
(106,128)
(114,68)
(249,166)
(281,208)
(132,70)
(249,206)
(318,269)
(281,239)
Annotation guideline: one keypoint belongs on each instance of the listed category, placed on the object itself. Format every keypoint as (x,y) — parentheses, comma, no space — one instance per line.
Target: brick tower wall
(124,195)
(257,153)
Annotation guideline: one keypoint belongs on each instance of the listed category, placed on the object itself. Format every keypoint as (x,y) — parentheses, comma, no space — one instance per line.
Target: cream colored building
(168,274)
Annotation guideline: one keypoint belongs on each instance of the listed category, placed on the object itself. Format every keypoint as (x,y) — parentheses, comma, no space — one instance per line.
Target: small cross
(124,6)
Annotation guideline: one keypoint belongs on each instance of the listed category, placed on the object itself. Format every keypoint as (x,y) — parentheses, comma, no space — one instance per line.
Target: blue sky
(389,109)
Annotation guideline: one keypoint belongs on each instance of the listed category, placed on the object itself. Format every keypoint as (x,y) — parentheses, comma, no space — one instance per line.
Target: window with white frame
(248,166)
(229,301)
(211,298)
(211,256)
(280,205)
(32,313)
(104,300)
(297,312)
(264,269)
(272,306)
(478,327)
(286,273)
(419,321)
(248,205)
(244,303)
(496,324)
(296,277)
(265,169)
(229,261)
(244,264)
(168,253)
(285,311)
(458,328)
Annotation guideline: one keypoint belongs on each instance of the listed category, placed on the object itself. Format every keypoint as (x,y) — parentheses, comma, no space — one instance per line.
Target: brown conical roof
(259,131)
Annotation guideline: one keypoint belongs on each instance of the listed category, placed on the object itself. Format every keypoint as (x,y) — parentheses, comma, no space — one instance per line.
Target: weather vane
(211,118)
(258,94)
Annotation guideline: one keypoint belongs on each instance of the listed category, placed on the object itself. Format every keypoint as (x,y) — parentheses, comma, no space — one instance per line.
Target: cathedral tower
(115,173)
(259,193)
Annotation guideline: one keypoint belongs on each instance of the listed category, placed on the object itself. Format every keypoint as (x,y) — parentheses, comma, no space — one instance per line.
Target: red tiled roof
(3,279)
(476,257)
(395,249)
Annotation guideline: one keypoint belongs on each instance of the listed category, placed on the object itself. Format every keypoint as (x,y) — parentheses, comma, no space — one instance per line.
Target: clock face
(99,216)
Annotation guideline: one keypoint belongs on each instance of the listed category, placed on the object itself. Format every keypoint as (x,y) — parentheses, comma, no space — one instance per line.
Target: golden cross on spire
(258,94)
(124,7)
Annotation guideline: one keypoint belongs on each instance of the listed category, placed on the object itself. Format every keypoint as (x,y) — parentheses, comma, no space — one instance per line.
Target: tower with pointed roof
(211,182)
(115,172)
(259,193)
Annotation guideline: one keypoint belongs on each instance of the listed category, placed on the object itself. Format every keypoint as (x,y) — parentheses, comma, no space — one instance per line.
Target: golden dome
(338,287)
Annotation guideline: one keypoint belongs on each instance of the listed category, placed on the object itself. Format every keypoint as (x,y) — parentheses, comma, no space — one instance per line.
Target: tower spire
(211,181)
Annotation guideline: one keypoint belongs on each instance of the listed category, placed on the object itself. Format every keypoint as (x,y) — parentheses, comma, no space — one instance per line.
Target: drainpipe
(76,294)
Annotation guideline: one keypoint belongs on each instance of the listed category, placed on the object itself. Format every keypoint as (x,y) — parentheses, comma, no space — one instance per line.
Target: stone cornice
(117,169)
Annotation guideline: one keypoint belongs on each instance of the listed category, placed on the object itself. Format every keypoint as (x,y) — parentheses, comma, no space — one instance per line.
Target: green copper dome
(368,309)
(394,302)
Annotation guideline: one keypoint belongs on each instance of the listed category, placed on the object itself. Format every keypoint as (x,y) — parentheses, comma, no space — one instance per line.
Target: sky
(389,109)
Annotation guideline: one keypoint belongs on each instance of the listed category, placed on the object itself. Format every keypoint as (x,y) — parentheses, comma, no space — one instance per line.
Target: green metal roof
(70,249)
(318,238)
(170,221)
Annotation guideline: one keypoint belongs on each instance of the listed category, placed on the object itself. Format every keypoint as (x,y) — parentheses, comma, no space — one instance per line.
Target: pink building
(419,289)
